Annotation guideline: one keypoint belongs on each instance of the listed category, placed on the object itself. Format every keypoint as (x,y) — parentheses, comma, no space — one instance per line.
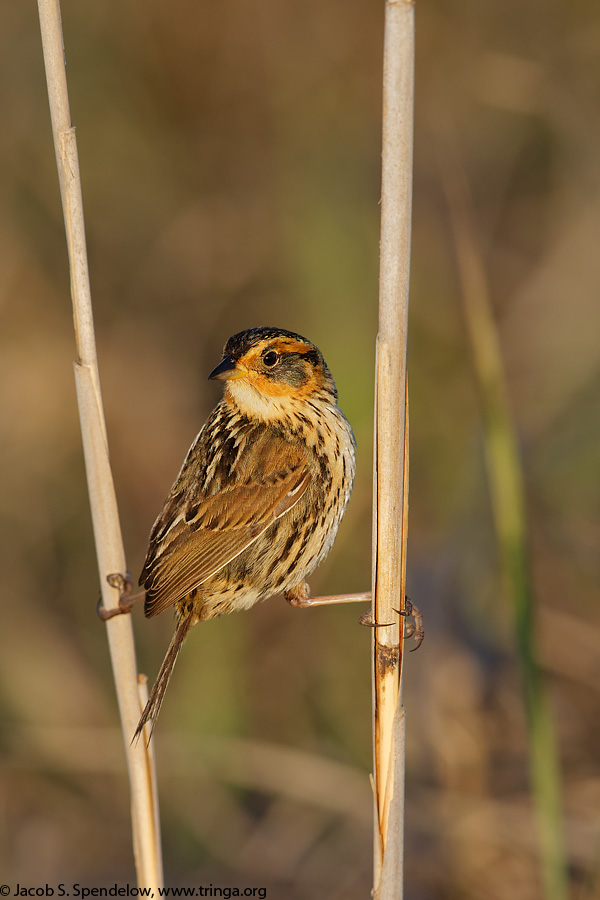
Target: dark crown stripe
(240,343)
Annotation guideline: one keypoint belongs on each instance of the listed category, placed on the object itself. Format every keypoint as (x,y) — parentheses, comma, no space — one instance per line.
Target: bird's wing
(207,522)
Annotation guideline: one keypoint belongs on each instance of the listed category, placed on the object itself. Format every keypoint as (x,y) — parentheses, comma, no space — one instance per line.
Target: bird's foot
(127,600)
(409,610)
(299,597)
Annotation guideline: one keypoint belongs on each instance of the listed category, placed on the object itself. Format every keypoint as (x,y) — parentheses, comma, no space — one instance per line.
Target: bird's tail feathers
(152,708)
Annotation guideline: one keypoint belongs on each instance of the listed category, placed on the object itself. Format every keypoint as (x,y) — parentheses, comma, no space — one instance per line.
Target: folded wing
(206,523)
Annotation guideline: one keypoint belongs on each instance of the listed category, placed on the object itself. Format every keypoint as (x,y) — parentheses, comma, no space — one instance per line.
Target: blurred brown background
(230,165)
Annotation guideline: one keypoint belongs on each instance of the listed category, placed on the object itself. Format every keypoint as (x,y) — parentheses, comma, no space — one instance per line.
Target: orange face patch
(268,381)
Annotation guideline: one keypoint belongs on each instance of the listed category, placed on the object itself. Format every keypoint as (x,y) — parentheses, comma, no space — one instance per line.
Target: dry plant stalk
(391,448)
(105,517)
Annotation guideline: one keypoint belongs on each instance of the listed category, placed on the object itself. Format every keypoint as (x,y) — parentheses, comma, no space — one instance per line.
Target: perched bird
(257,503)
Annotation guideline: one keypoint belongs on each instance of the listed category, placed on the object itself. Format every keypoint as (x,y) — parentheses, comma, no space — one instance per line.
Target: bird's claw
(368,620)
(122,583)
(417,629)
(409,610)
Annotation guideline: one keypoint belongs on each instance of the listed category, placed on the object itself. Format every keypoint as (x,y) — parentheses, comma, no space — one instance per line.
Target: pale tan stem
(105,517)
(390,495)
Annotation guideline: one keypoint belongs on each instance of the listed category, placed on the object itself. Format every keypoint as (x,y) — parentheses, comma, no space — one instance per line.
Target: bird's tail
(157,694)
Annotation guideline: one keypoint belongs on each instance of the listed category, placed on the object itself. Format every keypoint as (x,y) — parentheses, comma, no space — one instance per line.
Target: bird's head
(266,368)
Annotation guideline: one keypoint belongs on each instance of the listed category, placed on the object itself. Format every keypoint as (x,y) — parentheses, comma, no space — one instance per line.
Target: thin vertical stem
(105,517)
(390,463)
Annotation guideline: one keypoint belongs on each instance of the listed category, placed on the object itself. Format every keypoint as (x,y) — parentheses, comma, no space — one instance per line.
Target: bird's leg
(299,597)
(127,600)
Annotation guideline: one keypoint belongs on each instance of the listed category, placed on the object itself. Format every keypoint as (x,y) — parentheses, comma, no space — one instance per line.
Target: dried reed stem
(105,517)
(391,446)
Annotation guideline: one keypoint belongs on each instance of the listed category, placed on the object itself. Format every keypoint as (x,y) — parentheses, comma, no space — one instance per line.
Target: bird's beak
(226,370)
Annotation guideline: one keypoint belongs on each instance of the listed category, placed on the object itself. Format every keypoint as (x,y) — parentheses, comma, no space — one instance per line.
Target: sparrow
(261,493)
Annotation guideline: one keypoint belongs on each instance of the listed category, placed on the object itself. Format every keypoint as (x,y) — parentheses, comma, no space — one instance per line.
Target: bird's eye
(270,358)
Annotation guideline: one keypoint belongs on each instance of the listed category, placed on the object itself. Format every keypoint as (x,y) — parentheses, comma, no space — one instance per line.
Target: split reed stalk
(390,494)
(505,479)
(105,517)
